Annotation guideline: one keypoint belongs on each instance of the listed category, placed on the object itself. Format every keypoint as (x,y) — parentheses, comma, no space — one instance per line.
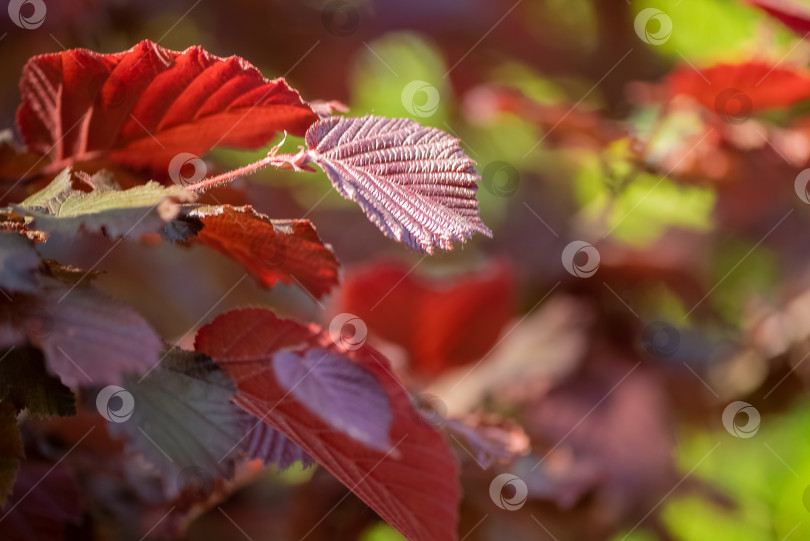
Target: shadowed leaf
(183,417)
(273,447)
(26,384)
(86,336)
(11,449)
(45,498)
(18,263)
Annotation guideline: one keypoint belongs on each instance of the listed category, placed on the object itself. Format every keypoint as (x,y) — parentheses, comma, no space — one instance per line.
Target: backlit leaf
(144,106)
(287,251)
(441,322)
(414,183)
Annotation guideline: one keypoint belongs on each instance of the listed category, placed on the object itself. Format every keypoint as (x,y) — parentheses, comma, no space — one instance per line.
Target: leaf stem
(296,162)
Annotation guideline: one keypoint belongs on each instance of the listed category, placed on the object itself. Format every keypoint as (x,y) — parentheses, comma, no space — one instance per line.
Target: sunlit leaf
(414,183)
(59,208)
(146,105)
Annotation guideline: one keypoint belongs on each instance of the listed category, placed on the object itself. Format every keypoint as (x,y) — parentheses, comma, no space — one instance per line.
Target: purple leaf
(339,391)
(273,447)
(413,182)
(87,336)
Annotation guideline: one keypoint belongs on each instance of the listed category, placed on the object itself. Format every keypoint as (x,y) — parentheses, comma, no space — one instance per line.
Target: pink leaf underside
(413,182)
(273,447)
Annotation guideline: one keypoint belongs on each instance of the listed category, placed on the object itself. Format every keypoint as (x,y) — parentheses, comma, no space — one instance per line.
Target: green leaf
(143,209)
(51,196)
(25,384)
(11,450)
(766,476)
(183,419)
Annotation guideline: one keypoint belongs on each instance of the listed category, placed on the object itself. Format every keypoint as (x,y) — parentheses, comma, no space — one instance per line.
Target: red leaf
(413,487)
(441,323)
(755,85)
(414,183)
(286,251)
(793,15)
(145,105)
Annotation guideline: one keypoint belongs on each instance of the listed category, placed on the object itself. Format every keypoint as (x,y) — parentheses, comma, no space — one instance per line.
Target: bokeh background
(619,378)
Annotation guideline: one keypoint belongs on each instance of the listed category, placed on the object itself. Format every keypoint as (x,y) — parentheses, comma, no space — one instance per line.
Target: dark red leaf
(413,182)
(45,498)
(145,105)
(441,322)
(413,486)
(756,85)
(273,251)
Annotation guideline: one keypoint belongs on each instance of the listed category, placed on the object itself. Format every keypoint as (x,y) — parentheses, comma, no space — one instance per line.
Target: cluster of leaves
(678,161)
(255,386)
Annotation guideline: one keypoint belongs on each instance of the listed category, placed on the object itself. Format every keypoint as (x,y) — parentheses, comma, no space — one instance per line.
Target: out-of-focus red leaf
(145,105)
(755,85)
(273,251)
(413,486)
(792,14)
(563,124)
(45,499)
(489,439)
(627,439)
(15,164)
(441,322)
